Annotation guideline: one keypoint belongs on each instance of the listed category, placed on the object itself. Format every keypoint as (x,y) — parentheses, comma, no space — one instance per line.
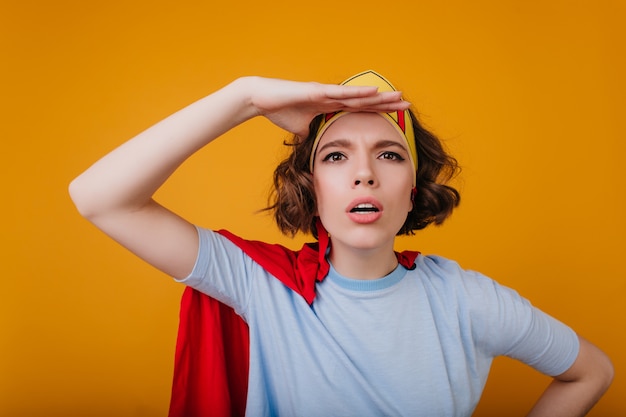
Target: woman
(354,328)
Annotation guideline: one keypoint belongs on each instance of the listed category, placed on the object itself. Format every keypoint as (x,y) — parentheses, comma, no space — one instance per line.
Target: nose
(365,174)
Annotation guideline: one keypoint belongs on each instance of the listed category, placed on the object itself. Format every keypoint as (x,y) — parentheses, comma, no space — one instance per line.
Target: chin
(365,240)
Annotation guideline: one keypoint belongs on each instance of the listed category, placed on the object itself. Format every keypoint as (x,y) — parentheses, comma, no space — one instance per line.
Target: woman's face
(363,179)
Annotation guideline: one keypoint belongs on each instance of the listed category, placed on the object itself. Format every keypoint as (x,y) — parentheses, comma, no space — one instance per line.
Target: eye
(334,157)
(392,156)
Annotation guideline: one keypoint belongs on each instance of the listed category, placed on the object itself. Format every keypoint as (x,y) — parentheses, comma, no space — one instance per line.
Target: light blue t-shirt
(414,343)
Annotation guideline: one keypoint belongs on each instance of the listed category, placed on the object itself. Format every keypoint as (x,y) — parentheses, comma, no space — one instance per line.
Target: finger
(342,92)
(385,108)
(382,108)
(391,100)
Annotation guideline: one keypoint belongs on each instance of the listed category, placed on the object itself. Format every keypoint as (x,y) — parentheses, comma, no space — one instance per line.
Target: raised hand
(292,105)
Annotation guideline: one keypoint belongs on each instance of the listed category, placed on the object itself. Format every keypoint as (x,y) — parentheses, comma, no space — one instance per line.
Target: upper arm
(511,326)
(155,234)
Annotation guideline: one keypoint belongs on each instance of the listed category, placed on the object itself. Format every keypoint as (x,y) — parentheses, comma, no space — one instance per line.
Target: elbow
(592,369)
(604,371)
(599,367)
(79,196)
(74,190)
(608,373)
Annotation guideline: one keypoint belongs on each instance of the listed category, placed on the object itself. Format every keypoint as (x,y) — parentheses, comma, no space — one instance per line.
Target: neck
(363,264)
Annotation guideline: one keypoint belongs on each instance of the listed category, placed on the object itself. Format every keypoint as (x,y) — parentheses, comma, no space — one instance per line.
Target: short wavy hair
(293,202)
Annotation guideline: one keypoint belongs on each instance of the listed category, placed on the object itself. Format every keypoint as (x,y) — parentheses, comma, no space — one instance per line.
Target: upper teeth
(364,205)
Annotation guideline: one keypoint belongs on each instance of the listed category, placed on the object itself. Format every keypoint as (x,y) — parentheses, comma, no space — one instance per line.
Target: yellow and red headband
(400,120)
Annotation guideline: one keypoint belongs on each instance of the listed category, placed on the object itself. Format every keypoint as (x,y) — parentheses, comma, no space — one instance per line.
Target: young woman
(347,327)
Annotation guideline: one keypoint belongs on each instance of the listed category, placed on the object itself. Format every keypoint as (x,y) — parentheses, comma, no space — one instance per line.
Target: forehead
(361,126)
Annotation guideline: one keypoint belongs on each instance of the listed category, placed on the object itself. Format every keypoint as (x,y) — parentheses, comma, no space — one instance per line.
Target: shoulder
(296,269)
(230,241)
(473,289)
(445,271)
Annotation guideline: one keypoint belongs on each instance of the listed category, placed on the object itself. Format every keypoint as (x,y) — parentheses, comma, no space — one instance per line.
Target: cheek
(318,188)
(405,199)
(400,185)
(405,204)
(326,191)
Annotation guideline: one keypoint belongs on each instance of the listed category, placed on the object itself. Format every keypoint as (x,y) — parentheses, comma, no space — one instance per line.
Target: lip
(364,218)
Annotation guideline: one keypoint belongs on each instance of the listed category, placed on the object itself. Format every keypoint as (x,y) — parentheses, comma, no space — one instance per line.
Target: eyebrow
(345,143)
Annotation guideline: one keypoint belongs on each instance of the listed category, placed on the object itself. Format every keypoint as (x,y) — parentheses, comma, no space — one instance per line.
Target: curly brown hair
(293,203)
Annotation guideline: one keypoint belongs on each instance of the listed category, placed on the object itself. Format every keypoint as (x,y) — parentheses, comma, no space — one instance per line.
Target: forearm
(576,391)
(566,399)
(127,177)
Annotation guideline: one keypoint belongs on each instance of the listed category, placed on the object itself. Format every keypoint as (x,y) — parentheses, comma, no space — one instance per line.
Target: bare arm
(577,390)
(116,192)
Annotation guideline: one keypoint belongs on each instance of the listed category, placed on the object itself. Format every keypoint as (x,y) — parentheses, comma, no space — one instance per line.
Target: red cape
(212,349)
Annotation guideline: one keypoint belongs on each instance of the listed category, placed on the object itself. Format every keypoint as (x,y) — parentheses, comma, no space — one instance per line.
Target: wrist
(243,89)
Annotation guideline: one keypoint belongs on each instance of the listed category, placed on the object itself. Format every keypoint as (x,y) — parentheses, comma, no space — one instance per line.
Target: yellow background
(529,95)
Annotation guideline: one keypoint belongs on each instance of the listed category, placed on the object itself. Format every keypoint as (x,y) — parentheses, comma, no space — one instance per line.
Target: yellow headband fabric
(400,120)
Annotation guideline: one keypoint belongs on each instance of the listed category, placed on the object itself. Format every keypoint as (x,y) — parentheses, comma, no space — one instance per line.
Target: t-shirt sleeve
(509,325)
(222,270)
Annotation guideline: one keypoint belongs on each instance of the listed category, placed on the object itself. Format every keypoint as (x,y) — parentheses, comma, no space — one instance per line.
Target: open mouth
(364,208)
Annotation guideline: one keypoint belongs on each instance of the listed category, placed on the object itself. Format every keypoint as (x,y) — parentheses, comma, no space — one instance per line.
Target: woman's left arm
(577,390)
